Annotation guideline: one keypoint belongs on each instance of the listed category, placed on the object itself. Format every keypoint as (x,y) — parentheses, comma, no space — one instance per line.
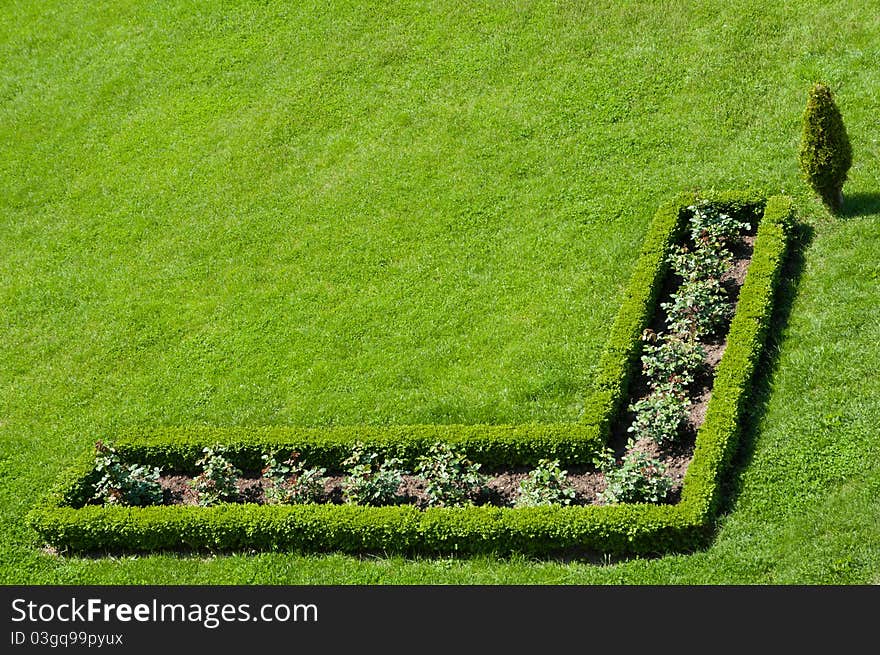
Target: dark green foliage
(670,362)
(698,308)
(289,482)
(358,529)
(124,484)
(713,229)
(371,480)
(826,154)
(639,478)
(547,484)
(660,415)
(216,483)
(64,522)
(692,264)
(451,479)
(700,305)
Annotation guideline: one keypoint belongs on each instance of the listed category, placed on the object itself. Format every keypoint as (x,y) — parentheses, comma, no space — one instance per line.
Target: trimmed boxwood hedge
(493,445)
(63,521)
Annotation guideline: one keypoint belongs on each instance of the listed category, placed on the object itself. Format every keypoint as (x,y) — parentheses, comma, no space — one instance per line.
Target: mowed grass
(251,214)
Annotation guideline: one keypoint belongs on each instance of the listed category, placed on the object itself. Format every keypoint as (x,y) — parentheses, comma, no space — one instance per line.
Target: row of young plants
(671,361)
(449,479)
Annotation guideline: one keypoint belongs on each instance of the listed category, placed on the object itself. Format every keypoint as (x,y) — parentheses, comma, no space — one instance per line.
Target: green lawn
(248,215)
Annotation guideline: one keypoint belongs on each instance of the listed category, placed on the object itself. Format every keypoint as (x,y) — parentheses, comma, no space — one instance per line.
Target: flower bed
(66,520)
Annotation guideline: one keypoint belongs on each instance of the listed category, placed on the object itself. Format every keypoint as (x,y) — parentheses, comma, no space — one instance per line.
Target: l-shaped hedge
(64,521)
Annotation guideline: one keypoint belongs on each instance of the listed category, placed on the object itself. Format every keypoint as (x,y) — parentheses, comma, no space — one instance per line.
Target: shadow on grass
(860,204)
(762,385)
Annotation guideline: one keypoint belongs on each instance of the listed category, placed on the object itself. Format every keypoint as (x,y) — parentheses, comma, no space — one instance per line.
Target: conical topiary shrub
(826,154)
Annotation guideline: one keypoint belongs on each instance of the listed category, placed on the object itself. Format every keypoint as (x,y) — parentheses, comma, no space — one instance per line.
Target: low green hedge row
(494,445)
(62,522)
(360,529)
(718,436)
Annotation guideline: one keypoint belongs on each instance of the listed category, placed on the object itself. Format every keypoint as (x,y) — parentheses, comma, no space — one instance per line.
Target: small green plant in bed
(671,361)
(450,477)
(713,228)
(371,480)
(546,484)
(289,481)
(698,263)
(124,484)
(217,481)
(700,305)
(639,478)
(698,308)
(660,415)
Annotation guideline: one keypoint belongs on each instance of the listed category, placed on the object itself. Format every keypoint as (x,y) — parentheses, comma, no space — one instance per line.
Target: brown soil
(176,490)
(503,485)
